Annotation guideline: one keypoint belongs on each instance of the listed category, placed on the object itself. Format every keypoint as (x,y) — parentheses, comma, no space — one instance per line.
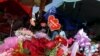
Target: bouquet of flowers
(25,43)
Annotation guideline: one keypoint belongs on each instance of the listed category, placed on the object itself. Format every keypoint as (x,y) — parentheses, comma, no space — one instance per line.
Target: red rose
(34,51)
(36,46)
(26,44)
(60,52)
(51,44)
(61,40)
(33,40)
(43,42)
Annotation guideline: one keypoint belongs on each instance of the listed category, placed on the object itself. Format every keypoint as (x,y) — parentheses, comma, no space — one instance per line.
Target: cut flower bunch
(25,43)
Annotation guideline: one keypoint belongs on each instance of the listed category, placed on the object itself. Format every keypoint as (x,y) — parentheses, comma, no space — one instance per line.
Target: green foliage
(53,51)
(26,51)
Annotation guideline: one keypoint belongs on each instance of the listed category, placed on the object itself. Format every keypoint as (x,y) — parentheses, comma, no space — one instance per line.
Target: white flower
(24,34)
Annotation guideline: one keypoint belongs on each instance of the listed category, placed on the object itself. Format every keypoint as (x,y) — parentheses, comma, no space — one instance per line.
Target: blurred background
(72,14)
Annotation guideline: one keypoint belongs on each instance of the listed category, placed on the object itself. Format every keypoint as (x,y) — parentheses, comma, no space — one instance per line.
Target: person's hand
(32,21)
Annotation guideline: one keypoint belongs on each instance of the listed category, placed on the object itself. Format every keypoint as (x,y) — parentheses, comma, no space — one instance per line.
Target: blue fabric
(52,11)
(54,33)
(65,19)
(69,25)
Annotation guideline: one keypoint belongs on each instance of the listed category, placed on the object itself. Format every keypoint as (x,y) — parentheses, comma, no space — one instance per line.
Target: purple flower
(41,35)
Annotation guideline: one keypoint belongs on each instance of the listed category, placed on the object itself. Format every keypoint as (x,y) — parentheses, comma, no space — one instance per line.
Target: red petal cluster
(61,40)
(36,46)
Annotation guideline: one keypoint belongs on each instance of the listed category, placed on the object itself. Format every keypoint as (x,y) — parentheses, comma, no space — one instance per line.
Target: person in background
(44,27)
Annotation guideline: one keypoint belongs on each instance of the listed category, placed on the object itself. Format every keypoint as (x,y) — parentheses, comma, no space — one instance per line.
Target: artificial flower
(41,35)
(24,32)
(60,52)
(36,46)
(61,40)
(53,52)
(82,38)
(51,45)
(7,53)
(9,42)
(65,49)
(70,41)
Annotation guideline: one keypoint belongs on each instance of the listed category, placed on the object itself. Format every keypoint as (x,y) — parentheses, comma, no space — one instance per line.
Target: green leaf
(26,51)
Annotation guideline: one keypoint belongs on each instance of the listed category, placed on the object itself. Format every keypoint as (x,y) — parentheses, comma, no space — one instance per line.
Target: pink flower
(9,42)
(70,41)
(7,53)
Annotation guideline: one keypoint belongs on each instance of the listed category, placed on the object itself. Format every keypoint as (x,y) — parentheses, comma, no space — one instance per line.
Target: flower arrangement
(25,43)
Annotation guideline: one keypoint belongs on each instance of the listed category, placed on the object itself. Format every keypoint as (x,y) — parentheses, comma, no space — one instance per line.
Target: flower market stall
(57,31)
(28,43)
